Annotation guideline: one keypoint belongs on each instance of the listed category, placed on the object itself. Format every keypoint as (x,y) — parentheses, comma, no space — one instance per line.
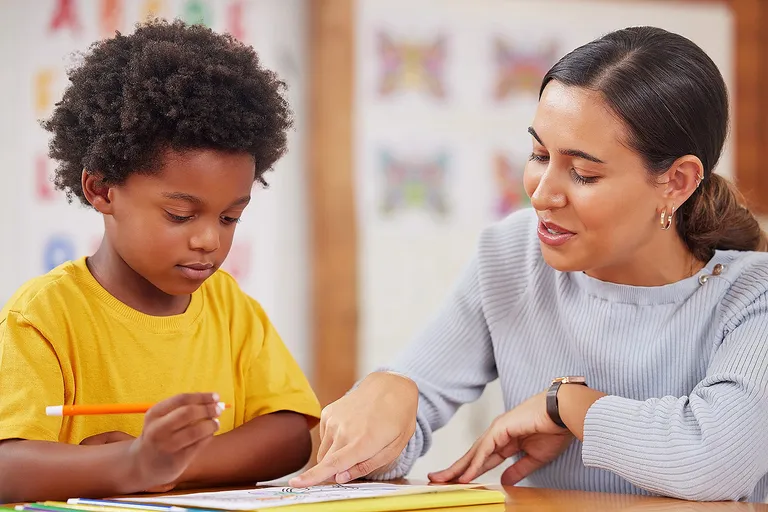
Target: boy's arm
(264,448)
(45,470)
(40,468)
(175,432)
(280,408)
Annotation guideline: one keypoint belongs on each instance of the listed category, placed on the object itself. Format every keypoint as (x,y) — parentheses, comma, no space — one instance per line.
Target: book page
(269,497)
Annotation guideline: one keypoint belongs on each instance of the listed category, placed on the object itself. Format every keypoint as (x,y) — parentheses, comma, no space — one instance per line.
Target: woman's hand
(364,430)
(526,428)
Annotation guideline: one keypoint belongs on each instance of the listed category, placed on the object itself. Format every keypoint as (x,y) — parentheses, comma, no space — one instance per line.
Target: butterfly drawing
(414,184)
(520,70)
(407,65)
(508,181)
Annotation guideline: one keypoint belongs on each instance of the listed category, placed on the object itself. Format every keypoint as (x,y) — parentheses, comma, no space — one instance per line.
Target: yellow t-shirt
(65,340)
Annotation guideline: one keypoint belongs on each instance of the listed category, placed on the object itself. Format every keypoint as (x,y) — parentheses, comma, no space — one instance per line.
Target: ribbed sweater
(685,367)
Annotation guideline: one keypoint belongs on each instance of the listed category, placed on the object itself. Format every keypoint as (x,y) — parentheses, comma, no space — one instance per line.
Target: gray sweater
(685,366)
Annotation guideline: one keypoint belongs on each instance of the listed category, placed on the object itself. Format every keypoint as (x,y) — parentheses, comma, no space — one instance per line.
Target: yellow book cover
(408,502)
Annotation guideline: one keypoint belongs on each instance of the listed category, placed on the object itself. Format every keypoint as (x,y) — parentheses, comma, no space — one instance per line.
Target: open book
(365,496)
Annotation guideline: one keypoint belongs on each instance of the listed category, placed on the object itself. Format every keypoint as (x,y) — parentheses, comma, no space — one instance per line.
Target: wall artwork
(508,184)
(409,65)
(519,70)
(412,183)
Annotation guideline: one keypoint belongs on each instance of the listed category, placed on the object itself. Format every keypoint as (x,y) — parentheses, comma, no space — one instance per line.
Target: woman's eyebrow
(576,153)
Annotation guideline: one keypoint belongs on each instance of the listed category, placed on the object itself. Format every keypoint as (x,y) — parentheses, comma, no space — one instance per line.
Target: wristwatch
(552,408)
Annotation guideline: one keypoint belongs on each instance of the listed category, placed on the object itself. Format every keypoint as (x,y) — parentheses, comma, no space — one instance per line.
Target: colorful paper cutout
(59,249)
(508,181)
(414,184)
(110,17)
(64,16)
(518,70)
(42,91)
(198,12)
(235,13)
(44,189)
(408,65)
(238,262)
(152,9)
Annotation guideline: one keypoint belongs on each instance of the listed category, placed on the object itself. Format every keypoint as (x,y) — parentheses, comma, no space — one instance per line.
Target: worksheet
(268,497)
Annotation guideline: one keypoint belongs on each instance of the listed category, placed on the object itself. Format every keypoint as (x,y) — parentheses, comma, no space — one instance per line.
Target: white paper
(269,497)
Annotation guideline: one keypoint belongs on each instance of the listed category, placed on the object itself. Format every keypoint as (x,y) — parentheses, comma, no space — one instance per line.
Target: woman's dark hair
(673,101)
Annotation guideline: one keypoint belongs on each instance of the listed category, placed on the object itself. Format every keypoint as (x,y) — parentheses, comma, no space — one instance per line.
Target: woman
(636,273)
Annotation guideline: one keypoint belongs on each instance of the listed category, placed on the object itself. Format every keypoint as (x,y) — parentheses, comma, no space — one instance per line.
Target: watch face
(573,379)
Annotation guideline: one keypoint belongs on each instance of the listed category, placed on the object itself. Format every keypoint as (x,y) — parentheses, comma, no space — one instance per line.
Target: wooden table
(526,499)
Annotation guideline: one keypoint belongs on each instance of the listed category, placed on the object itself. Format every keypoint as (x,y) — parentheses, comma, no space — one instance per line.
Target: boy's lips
(197,271)
(198,266)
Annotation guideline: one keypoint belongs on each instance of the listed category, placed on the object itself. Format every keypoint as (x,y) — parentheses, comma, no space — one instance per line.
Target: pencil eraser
(54,410)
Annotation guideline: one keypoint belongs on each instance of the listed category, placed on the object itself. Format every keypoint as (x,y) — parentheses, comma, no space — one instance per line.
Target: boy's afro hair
(167,85)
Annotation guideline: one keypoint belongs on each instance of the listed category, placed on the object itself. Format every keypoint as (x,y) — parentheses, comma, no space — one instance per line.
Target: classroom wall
(37,41)
(10,159)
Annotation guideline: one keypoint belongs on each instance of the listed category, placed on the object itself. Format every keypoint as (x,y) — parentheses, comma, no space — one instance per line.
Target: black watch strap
(553,410)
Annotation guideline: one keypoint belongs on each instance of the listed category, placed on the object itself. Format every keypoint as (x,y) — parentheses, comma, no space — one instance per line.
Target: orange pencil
(76,410)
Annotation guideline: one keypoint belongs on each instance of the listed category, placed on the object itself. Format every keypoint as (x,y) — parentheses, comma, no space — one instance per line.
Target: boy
(164,133)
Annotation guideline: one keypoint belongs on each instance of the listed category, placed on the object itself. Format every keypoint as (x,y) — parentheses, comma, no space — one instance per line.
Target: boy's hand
(115,436)
(175,430)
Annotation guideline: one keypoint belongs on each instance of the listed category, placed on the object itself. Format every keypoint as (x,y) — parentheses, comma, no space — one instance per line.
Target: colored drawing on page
(272,497)
(520,70)
(508,185)
(414,184)
(408,65)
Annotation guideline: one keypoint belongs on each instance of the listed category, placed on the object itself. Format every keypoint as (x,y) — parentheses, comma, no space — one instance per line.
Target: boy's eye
(178,218)
(230,220)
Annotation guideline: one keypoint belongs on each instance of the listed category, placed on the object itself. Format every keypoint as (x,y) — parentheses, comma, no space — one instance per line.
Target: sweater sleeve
(709,445)
(451,362)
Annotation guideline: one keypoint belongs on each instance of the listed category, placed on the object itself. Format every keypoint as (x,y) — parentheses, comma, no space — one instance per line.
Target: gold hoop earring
(666,220)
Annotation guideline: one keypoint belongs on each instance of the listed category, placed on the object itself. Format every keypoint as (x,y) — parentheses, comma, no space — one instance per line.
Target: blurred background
(410,138)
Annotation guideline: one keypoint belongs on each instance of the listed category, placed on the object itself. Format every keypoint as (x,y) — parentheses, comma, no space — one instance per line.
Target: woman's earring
(666,220)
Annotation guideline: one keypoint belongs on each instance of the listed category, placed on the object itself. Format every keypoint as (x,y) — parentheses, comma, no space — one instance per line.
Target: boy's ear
(97,192)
